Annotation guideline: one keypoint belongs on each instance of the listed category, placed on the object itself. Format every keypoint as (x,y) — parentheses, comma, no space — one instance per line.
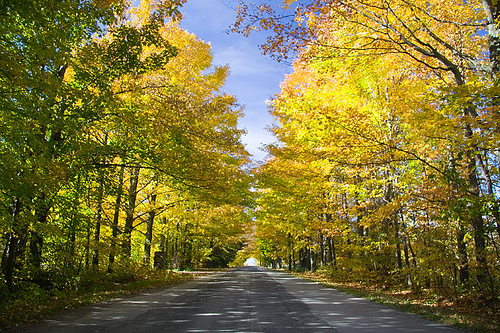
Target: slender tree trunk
(36,237)
(413,256)
(14,247)
(301,259)
(399,260)
(406,253)
(322,249)
(116,218)
(349,252)
(71,241)
(168,254)
(492,10)
(186,250)
(98,220)
(162,247)
(496,214)
(9,258)
(87,245)
(330,251)
(463,260)
(149,231)
(477,218)
(129,220)
(409,246)
(331,244)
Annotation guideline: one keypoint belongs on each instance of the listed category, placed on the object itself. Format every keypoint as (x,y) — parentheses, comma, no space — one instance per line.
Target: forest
(120,151)
(386,166)
(118,148)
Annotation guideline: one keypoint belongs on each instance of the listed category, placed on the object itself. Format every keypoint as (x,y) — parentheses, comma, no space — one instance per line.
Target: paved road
(249,299)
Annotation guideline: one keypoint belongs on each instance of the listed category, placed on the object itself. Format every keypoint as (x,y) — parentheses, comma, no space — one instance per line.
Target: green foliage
(116,145)
(221,257)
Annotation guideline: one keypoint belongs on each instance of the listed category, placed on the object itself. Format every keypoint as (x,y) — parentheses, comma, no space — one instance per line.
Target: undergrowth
(31,302)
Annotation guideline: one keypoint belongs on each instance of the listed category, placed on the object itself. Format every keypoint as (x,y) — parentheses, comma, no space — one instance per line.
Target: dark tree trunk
(149,231)
(399,260)
(71,241)
(98,220)
(116,218)
(322,249)
(129,220)
(36,237)
(10,255)
(14,247)
(87,245)
(302,259)
(463,260)
(406,253)
(331,251)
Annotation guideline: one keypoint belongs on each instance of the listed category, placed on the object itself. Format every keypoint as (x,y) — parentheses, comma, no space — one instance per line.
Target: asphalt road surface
(249,299)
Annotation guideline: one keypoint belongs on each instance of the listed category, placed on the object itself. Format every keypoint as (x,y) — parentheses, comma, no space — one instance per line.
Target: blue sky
(254,78)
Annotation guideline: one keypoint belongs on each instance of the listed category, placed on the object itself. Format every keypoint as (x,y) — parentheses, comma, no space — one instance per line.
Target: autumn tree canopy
(118,146)
(387,139)
(120,149)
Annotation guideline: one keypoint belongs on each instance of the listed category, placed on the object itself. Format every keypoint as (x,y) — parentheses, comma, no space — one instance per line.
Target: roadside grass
(470,313)
(31,303)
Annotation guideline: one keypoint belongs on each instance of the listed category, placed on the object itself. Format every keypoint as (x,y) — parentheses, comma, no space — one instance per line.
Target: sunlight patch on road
(208,314)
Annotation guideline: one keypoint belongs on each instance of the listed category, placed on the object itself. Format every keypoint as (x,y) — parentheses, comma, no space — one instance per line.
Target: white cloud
(246,59)
(254,78)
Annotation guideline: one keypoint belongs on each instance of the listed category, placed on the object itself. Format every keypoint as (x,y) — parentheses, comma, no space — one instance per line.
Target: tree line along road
(247,299)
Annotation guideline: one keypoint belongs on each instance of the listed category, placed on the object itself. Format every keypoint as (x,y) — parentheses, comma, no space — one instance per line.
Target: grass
(31,303)
(474,314)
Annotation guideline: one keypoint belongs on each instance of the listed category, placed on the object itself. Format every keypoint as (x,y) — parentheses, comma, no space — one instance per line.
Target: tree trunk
(87,245)
(186,250)
(36,238)
(16,241)
(71,241)
(116,218)
(399,260)
(463,260)
(162,247)
(149,231)
(492,9)
(322,249)
(129,220)
(477,218)
(406,253)
(98,220)
(331,252)
(301,259)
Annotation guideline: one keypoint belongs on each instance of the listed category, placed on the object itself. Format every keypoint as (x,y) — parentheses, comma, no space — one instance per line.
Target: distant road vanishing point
(247,299)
